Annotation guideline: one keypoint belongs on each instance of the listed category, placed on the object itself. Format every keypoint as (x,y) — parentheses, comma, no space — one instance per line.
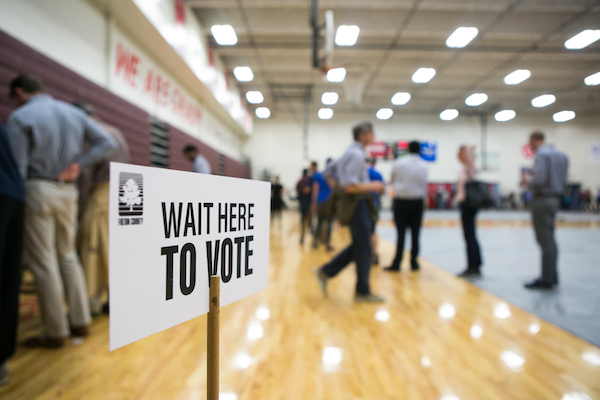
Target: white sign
(167,230)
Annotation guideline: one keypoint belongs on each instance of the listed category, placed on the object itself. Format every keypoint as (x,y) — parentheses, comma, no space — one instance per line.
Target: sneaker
(368,298)
(322,279)
(470,273)
(414,266)
(45,342)
(539,284)
(4,375)
(391,269)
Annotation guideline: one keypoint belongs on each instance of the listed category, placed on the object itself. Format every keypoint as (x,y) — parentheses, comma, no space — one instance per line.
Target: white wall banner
(167,231)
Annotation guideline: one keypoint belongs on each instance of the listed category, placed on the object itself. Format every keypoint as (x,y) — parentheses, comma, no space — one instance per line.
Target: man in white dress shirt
(409,182)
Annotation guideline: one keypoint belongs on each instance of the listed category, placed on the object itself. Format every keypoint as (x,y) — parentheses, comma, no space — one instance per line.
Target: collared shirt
(351,167)
(201,165)
(47,135)
(549,175)
(409,177)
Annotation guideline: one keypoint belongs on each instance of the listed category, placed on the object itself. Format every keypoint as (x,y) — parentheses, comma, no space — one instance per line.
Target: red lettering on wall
(127,64)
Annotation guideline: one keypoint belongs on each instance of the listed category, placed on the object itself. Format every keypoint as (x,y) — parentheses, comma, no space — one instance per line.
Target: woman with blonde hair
(467,214)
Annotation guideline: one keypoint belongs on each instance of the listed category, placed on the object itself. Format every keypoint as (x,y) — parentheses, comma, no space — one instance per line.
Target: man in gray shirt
(351,169)
(409,181)
(201,164)
(47,137)
(547,183)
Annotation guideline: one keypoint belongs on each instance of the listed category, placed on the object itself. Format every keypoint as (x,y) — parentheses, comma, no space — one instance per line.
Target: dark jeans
(543,210)
(323,218)
(467,216)
(359,251)
(407,213)
(12,219)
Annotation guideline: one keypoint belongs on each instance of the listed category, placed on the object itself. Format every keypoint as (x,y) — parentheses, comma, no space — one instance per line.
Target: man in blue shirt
(12,217)
(354,180)
(374,175)
(47,138)
(320,205)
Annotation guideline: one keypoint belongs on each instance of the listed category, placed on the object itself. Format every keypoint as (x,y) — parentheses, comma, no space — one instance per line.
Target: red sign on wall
(527,151)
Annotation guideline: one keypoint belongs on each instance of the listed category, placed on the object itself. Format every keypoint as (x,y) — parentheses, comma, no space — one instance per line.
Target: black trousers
(467,217)
(12,219)
(407,214)
(324,220)
(359,251)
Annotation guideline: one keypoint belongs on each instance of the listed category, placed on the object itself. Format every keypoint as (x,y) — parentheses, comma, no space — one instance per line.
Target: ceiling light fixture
(563,116)
(255,97)
(516,77)
(224,35)
(400,98)
(583,39)
(593,79)
(449,114)
(461,37)
(329,98)
(243,74)
(505,115)
(384,113)
(263,112)
(476,99)
(423,75)
(336,75)
(543,100)
(325,113)
(347,35)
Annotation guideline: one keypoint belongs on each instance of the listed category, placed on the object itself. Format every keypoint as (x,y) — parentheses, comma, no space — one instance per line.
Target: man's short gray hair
(363,127)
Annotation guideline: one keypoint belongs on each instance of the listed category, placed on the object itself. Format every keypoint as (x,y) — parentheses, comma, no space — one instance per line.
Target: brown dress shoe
(45,342)
(82,331)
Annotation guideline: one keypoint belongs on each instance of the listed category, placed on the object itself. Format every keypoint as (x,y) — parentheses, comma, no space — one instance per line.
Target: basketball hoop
(354,84)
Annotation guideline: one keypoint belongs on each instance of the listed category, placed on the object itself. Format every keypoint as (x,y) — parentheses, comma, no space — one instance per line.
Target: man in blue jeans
(353,178)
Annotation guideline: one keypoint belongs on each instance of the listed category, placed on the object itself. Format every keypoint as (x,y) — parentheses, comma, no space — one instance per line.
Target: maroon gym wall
(66,85)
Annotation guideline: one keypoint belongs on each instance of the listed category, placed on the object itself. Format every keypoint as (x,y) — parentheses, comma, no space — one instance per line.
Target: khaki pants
(50,226)
(92,244)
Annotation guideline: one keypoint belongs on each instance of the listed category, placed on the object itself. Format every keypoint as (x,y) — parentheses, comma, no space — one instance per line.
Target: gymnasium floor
(436,337)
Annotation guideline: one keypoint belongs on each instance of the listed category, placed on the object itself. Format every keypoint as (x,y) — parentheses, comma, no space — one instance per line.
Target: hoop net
(354,84)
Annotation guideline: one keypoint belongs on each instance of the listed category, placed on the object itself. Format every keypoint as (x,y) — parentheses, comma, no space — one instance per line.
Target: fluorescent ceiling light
(593,79)
(505,115)
(224,35)
(449,114)
(263,112)
(384,113)
(476,99)
(243,74)
(255,97)
(583,39)
(329,98)
(461,37)
(347,35)
(336,74)
(543,100)
(423,75)
(563,116)
(400,98)
(516,77)
(325,113)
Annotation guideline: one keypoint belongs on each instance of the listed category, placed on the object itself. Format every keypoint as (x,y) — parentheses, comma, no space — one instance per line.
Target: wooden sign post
(212,342)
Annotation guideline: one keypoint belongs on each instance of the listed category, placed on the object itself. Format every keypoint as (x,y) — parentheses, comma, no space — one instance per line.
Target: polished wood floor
(435,338)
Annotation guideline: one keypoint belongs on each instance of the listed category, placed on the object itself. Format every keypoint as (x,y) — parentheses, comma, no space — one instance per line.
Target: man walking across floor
(409,181)
(356,210)
(547,182)
(47,137)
